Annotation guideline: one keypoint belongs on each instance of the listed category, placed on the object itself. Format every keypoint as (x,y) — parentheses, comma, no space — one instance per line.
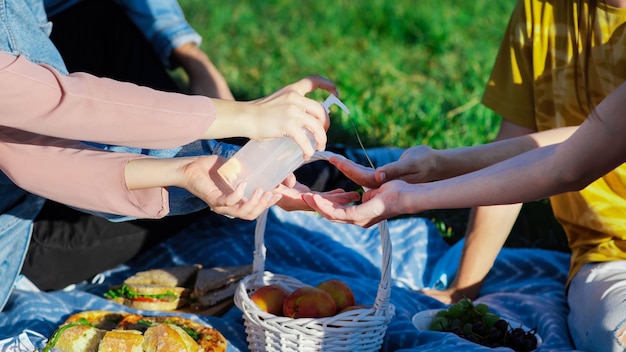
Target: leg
(597,318)
(69,246)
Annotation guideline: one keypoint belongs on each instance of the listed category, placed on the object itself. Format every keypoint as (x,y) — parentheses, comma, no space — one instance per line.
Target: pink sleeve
(71,173)
(38,99)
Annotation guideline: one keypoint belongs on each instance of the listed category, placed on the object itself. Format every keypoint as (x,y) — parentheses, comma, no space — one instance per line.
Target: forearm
(87,108)
(148,172)
(487,231)
(458,161)
(204,78)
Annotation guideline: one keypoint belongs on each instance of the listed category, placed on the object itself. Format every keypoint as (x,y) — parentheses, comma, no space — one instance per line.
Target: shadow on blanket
(526,285)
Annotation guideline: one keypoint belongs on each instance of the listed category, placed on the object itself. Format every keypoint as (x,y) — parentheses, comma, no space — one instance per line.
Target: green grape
(442,313)
(475,323)
(482,308)
(439,324)
(456,310)
(489,319)
(467,328)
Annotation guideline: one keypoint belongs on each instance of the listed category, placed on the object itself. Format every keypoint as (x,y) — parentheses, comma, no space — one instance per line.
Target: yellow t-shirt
(532,84)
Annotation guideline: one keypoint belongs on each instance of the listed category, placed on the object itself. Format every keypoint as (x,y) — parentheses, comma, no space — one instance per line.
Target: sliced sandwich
(214,285)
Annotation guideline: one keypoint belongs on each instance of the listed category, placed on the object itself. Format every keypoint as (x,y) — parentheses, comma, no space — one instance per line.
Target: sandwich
(133,333)
(149,297)
(156,289)
(181,276)
(215,285)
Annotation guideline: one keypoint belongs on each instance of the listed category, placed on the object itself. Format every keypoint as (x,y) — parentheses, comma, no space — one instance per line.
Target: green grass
(412,72)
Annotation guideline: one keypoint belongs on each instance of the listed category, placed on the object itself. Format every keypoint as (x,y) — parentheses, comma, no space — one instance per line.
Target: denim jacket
(162,22)
(24,30)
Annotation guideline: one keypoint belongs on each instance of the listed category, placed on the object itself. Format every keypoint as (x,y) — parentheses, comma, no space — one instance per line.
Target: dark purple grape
(496,334)
(501,325)
(479,328)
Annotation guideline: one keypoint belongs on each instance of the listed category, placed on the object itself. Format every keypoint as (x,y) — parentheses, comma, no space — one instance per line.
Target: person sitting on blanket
(116,40)
(42,158)
(537,84)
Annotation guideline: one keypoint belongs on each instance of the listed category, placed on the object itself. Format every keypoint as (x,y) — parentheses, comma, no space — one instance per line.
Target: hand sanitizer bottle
(265,164)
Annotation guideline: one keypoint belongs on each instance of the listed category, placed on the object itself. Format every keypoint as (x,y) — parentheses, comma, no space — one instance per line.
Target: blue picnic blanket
(525,285)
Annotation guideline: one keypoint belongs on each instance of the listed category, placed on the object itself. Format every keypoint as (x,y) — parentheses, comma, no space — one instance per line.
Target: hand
(200,174)
(289,111)
(416,164)
(378,204)
(286,112)
(204,78)
(447,296)
(292,196)
(362,175)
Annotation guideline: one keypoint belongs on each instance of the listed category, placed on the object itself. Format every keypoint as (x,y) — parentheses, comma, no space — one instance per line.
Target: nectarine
(309,302)
(339,291)
(270,298)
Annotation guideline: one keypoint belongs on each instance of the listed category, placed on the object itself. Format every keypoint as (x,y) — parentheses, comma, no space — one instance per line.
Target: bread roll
(174,276)
(121,341)
(79,338)
(168,337)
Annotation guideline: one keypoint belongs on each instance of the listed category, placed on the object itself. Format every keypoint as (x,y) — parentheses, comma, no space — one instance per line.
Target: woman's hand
(378,204)
(286,112)
(292,197)
(417,164)
(199,176)
(447,296)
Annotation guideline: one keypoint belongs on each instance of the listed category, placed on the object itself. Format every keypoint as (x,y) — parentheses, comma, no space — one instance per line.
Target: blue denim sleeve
(163,23)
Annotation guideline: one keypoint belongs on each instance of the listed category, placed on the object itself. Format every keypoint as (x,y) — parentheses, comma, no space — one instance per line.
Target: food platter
(422,320)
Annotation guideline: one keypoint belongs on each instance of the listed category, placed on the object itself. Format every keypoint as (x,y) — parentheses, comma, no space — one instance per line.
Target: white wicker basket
(356,330)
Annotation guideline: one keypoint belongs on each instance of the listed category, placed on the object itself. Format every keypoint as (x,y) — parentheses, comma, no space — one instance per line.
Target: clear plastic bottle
(265,164)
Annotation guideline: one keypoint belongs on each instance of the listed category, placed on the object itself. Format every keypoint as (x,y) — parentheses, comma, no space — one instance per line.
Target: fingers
(233,205)
(317,110)
(311,83)
(302,140)
(339,213)
(319,134)
(361,175)
(394,170)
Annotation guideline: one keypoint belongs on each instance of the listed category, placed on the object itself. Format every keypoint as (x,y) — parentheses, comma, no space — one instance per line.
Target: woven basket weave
(358,330)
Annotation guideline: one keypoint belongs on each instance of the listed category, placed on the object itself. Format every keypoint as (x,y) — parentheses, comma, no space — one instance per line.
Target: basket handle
(381,304)
(258,263)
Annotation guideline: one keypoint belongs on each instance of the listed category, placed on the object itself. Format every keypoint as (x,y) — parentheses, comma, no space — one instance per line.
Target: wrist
(232,119)
(145,173)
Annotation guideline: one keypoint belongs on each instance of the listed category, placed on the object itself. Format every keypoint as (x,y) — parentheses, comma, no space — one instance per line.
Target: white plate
(422,320)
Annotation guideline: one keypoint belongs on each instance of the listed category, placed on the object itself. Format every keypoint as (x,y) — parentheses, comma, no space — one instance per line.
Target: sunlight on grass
(411,72)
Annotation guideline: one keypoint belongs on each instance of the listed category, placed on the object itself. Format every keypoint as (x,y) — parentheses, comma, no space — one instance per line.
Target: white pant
(597,302)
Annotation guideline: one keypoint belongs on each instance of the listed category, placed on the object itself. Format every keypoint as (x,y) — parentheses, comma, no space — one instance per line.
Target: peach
(270,298)
(339,291)
(309,302)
